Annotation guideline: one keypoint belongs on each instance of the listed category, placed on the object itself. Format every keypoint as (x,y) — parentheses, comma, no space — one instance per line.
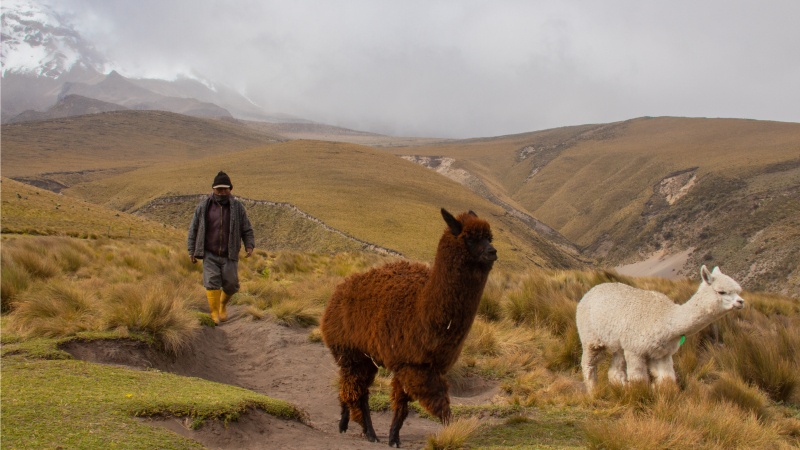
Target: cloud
(467,68)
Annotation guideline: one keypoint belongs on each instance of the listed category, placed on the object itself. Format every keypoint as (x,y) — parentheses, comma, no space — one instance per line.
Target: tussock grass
(296,312)
(549,300)
(490,307)
(158,309)
(524,338)
(15,279)
(647,433)
(289,263)
(481,341)
(723,365)
(767,358)
(315,335)
(56,309)
(261,294)
(454,435)
(675,419)
(771,304)
(34,258)
(565,354)
(255,313)
(98,286)
(731,388)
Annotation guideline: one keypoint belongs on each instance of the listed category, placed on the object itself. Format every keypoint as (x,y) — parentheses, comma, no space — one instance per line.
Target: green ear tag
(683,339)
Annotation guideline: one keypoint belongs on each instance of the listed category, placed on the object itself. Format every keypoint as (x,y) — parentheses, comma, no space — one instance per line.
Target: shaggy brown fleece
(411,320)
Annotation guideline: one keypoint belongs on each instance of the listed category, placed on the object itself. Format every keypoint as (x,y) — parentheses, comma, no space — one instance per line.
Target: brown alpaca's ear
(453,223)
(472,213)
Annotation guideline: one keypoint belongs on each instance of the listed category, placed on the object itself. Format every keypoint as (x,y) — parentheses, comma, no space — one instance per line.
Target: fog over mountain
(450,69)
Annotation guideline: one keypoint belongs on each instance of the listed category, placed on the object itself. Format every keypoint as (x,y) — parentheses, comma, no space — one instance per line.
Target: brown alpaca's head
(474,235)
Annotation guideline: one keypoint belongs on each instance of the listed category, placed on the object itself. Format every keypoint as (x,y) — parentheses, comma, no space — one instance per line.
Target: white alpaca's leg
(616,372)
(662,369)
(589,365)
(636,367)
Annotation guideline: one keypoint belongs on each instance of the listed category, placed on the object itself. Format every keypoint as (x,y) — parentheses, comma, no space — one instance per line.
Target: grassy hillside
(278,226)
(30,210)
(743,394)
(366,193)
(614,188)
(622,191)
(117,140)
(57,290)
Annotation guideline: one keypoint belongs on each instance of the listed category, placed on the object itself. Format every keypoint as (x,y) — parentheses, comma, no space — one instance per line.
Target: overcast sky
(467,68)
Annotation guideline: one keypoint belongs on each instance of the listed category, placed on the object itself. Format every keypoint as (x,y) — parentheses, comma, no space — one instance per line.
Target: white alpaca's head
(725,290)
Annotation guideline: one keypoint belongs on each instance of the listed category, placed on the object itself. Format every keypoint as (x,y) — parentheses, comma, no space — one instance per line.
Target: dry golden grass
(55,309)
(737,385)
(30,210)
(680,421)
(731,386)
(366,193)
(454,435)
(159,309)
(737,395)
(122,287)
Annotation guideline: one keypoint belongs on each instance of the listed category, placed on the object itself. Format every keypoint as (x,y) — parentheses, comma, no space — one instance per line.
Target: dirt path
(279,362)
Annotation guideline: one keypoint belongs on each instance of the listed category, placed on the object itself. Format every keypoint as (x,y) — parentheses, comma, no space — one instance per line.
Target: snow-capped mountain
(45,60)
(36,41)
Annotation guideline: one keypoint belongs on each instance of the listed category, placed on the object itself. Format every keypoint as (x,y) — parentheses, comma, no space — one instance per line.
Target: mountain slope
(71,105)
(68,149)
(115,88)
(626,190)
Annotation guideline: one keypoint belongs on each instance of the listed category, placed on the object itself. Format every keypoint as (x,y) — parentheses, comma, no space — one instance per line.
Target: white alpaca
(643,329)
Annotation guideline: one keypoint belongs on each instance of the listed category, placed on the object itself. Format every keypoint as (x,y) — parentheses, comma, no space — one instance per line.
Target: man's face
(222,191)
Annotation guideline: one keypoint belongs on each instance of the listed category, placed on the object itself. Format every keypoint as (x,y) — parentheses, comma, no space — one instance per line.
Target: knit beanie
(222,180)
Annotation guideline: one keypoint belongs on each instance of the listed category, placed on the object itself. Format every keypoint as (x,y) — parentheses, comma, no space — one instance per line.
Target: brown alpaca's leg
(356,377)
(429,387)
(345,417)
(400,407)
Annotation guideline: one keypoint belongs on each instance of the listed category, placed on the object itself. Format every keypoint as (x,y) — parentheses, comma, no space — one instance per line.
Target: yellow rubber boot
(213,303)
(223,311)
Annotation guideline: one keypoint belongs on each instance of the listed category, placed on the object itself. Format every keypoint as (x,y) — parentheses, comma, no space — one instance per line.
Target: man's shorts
(219,272)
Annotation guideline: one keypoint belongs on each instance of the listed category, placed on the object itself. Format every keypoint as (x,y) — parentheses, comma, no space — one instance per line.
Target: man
(218,227)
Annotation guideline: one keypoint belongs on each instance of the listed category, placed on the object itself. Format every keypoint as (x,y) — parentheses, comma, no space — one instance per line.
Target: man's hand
(249,252)
(193,259)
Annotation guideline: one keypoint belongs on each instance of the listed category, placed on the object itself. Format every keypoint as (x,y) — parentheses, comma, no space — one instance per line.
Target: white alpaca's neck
(695,314)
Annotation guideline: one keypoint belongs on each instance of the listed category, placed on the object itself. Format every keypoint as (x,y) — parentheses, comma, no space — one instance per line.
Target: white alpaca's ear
(716,271)
(705,274)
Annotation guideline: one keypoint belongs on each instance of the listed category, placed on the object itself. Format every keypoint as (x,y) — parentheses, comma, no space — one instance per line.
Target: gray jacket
(241,230)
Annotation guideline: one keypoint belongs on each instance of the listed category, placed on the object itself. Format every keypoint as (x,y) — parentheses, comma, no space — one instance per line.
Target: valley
(604,195)
(611,148)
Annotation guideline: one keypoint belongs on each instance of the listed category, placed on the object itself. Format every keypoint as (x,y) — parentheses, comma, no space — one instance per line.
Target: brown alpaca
(411,320)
